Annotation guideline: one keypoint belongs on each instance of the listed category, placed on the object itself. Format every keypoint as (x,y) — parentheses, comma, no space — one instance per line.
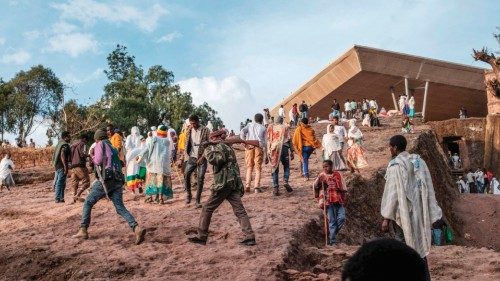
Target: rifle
(99,170)
(231,141)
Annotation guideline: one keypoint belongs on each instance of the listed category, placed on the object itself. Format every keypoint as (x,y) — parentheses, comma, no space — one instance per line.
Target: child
(406,126)
(330,183)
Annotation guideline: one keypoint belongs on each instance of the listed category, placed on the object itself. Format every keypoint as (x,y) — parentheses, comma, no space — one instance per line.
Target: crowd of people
(7,144)
(152,160)
(479,181)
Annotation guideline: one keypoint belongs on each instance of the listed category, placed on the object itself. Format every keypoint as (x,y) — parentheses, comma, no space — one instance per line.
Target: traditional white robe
(133,147)
(157,156)
(462,185)
(409,200)
(6,172)
(495,185)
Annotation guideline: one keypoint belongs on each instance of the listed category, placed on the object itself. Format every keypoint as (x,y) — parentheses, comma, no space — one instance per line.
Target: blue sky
(239,56)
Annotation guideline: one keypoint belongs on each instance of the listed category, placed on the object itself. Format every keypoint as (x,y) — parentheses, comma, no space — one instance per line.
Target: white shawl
(496,186)
(354,132)
(409,200)
(5,172)
(330,142)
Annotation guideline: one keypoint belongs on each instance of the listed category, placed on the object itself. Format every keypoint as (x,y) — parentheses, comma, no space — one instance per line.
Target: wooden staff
(325,221)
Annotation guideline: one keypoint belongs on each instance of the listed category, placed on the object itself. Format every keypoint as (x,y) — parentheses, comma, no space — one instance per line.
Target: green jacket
(226,169)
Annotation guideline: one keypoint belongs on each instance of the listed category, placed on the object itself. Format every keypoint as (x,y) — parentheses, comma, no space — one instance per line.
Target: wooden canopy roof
(364,72)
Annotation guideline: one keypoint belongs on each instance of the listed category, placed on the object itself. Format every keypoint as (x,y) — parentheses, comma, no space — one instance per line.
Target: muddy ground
(36,241)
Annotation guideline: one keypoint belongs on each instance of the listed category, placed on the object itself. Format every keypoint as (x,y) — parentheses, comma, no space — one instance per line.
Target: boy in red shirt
(331,184)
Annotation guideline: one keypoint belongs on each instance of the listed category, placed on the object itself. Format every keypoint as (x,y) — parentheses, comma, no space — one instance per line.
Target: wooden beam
(424,106)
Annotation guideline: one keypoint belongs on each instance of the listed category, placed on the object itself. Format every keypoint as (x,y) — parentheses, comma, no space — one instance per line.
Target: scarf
(354,132)
(304,136)
(276,134)
(330,142)
(410,201)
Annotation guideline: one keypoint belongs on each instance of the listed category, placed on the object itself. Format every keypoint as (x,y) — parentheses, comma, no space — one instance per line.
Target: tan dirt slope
(36,241)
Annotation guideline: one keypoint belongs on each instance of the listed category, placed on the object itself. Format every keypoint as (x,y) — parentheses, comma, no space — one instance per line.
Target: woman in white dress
(331,149)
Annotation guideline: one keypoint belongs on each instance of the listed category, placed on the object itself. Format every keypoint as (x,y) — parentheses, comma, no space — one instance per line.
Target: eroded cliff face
(468,134)
(492,144)
(363,207)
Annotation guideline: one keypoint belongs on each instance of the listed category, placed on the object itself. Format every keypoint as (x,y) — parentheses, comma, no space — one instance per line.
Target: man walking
(79,171)
(303,108)
(227,186)
(61,160)
(281,112)
(409,204)
(193,152)
(347,108)
(109,184)
(279,149)
(254,156)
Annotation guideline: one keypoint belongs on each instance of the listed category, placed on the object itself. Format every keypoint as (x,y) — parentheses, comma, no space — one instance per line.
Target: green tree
(206,113)
(5,106)
(136,99)
(34,95)
(79,119)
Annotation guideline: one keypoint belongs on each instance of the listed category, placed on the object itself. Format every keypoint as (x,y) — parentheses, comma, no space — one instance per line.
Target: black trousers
(191,166)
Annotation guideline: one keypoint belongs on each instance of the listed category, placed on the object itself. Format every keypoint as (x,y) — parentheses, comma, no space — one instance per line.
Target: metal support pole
(407,88)
(394,98)
(424,106)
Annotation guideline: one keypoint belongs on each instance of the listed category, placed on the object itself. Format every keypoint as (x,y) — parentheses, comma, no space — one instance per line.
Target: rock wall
(29,157)
(492,144)
(471,131)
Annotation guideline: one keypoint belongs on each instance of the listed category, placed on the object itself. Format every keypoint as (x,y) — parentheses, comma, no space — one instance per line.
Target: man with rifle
(227,186)
(109,184)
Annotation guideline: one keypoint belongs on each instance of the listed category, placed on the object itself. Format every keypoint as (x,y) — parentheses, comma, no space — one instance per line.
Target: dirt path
(36,237)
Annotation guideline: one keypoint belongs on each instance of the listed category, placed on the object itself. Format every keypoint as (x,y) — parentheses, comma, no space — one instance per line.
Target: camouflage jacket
(226,169)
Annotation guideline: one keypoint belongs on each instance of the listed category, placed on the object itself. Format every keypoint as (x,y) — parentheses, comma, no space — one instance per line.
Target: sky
(239,56)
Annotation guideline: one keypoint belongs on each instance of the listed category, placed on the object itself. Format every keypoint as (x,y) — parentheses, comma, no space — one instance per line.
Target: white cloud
(2,40)
(90,11)
(169,37)
(231,97)
(74,79)
(73,44)
(32,35)
(18,57)
(63,27)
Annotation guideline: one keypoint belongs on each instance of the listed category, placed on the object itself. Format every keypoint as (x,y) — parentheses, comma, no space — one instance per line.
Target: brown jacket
(189,143)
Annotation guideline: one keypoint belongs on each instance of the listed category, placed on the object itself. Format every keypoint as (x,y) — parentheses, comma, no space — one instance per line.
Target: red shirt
(335,189)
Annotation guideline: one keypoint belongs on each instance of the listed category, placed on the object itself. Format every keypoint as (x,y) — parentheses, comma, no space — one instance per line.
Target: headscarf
(161,132)
(171,139)
(354,132)
(134,139)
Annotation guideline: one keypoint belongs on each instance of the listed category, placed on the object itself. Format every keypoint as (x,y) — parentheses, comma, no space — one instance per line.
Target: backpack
(302,107)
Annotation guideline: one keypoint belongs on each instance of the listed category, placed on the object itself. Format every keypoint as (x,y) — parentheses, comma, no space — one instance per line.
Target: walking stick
(325,222)
(179,178)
